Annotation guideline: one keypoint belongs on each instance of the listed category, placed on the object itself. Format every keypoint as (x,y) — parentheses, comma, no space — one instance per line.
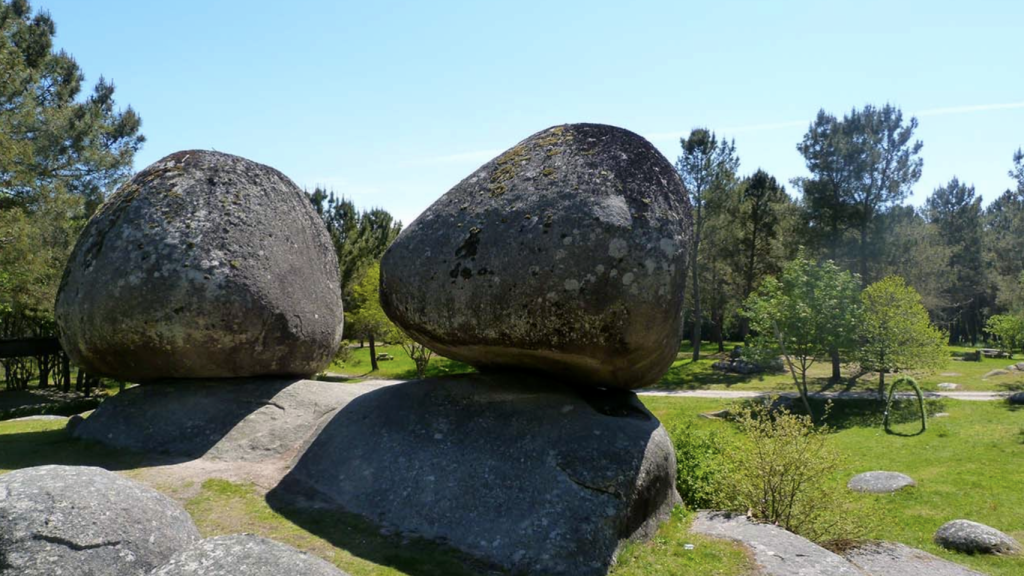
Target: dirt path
(734,394)
(858,395)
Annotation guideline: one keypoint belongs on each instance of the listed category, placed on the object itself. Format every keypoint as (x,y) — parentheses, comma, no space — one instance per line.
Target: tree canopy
(895,332)
(50,136)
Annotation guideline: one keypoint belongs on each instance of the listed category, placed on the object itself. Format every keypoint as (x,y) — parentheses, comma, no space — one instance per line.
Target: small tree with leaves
(367,318)
(895,332)
(419,353)
(1008,330)
(809,310)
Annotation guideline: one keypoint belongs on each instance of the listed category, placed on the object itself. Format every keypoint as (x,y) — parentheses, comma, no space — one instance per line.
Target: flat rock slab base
(776,551)
(895,559)
(518,471)
(233,420)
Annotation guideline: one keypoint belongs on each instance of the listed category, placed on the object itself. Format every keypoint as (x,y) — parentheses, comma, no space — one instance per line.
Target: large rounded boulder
(567,254)
(85,521)
(204,265)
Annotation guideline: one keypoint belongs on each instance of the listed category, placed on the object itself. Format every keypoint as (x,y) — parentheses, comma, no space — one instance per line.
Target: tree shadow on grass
(846,413)
(685,375)
(41,447)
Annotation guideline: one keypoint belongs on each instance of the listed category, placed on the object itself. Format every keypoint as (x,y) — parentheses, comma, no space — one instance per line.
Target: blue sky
(391,103)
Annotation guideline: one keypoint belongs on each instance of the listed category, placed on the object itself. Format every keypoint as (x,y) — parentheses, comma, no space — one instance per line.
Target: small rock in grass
(73,423)
(972,537)
(1016,398)
(996,372)
(880,482)
(947,386)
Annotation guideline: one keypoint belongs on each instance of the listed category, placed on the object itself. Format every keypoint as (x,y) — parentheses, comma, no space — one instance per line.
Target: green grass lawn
(688,375)
(967,465)
(402,367)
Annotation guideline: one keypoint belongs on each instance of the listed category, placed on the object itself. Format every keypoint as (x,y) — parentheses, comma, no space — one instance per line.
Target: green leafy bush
(699,471)
(783,471)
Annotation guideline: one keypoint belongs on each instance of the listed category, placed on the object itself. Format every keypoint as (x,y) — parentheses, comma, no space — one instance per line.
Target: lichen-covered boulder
(204,265)
(567,253)
(85,521)
(244,555)
(520,472)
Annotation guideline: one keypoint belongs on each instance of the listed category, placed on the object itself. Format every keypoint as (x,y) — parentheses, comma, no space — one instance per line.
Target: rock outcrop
(244,555)
(565,254)
(528,475)
(84,521)
(204,265)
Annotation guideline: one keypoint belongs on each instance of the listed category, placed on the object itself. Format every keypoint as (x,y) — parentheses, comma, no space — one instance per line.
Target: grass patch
(401,368)
(674,551)
(685,374)
(967,465)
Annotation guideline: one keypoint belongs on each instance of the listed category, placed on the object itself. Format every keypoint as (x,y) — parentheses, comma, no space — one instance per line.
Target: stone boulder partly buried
(531,476)
(86,521)
(880,482)
(244,555)
(975,538)
(1017,398)
(204,265)
(567,253)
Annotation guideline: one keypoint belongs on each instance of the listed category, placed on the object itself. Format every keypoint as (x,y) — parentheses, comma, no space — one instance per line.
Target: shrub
(783,472)
(343,353)
(699,472)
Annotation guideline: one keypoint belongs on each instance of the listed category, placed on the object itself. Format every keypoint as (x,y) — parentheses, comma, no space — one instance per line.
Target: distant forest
(64,147)
(966,261)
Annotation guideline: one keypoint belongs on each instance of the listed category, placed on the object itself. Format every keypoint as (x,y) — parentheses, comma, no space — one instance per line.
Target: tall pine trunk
(695,339)
(373,354)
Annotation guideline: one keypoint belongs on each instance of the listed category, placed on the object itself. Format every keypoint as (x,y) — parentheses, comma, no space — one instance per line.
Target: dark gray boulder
(244,555)
(880,482)
(204,265)
(776,551)
(530,476)
(974,538)
(567,254)
(895,559)
(1016,398)
(85,521)
(238,420)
